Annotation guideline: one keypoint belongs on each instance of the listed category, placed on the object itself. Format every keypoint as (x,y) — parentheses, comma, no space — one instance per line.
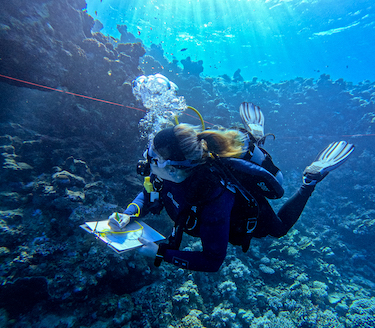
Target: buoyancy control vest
(250,181)
(246,179)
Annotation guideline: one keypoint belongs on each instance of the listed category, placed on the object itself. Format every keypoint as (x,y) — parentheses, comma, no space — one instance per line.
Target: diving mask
(174,171)
(156,159)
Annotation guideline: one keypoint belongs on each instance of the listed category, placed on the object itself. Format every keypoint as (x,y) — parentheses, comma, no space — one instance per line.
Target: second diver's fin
(327,160)
(253,120)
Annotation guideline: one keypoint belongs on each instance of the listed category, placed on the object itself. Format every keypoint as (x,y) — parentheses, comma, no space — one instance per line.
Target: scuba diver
(214,185)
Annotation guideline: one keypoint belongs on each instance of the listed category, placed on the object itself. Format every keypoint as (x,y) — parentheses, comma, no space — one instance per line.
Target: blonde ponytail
(195,145)
(226,143)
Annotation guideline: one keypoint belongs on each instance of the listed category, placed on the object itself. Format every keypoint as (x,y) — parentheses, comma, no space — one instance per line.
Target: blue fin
(327,160)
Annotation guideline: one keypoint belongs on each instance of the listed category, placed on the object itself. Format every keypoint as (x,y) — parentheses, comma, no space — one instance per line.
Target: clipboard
(122,241)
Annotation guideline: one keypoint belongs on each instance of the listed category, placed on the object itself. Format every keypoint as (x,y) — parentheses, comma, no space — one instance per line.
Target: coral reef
(191,67)
(319,275)
(361,313)
(66,160)
(51,43)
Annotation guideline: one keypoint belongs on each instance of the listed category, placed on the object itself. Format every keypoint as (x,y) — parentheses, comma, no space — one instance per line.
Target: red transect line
(197,118)
(358,135)
(70,93)
(322,137)
(139,109)
(31,83)
(82,96)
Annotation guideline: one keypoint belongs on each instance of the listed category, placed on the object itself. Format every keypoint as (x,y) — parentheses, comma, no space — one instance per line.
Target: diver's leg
(292,209)
(329,159)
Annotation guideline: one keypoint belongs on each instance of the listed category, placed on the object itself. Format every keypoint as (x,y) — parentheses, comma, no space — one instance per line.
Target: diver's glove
(118,221)
(327,160)
(149,248)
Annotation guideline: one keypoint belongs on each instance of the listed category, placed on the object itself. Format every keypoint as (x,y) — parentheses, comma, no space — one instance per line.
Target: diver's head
(174,152)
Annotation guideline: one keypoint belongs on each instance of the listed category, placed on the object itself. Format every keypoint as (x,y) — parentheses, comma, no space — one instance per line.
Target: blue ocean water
(273,40)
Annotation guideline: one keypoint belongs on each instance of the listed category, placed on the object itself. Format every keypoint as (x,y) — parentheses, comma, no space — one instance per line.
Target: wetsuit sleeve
(136,205)
(214,234)
(142,205)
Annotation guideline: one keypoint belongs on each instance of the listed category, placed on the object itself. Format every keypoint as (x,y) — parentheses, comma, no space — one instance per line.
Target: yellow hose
(197,112)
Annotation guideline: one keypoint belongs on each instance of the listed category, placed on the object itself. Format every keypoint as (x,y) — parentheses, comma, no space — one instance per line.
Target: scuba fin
(327,160)
(253,120)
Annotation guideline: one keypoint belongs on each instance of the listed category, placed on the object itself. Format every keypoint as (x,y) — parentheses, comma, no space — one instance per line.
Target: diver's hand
(149,248)
(118,221)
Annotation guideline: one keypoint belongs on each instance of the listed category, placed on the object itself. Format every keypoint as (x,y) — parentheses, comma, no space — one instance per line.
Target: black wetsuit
(206,207)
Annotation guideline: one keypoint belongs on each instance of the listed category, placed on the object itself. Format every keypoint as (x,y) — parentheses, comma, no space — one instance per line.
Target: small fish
(96,13)
(183,49)
(139,32)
